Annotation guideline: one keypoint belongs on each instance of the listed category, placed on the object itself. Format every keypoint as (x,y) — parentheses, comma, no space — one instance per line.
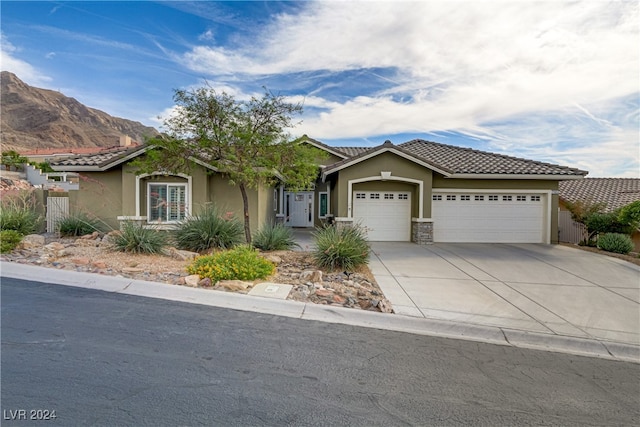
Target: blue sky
(552,81)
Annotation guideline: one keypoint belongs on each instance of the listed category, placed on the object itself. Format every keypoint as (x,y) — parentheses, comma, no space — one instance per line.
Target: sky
(552,81)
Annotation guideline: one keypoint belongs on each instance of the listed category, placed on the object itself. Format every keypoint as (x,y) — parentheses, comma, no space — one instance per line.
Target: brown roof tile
(95,160)
(614,192)
(469,161)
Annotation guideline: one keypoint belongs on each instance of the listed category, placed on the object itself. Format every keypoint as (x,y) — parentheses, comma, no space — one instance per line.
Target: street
(98,358)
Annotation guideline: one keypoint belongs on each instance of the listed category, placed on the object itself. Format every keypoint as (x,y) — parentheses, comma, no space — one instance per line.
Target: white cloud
(24,70)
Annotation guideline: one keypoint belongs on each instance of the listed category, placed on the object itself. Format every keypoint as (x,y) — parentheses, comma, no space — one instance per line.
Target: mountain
(33,118)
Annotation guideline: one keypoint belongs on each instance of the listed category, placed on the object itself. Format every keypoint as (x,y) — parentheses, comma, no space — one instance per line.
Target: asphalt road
(98,358)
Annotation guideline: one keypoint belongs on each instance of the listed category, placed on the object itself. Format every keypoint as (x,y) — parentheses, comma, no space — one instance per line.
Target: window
(451,196)
(506,198)
(361,196)
(374,195)
(388,196)
(521,198)
(465,197)
(437,197)
(167,202)
(478,198)
(535,198)
(405,196)
(275,200)
(323,210)
(493,198)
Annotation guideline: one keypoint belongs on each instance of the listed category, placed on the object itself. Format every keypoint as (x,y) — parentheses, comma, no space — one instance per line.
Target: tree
(630,214)
(13,158)
(245,140)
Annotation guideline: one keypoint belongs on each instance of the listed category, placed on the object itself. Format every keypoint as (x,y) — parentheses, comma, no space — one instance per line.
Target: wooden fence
(569,230)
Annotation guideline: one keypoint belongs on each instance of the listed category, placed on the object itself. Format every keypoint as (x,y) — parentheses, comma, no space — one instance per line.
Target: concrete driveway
(548,289)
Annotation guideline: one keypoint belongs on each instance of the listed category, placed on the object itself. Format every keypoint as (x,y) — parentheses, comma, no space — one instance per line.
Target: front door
(300,207)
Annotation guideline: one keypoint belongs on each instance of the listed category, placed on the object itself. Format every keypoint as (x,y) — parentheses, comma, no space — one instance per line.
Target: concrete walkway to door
(538,289)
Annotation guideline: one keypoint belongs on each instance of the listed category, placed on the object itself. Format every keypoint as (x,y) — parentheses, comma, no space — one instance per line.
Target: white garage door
(488,218)
(386,215)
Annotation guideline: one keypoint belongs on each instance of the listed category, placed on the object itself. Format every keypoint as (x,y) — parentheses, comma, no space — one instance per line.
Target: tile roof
(462,160)
(615,192)
(97,160)
(353,151)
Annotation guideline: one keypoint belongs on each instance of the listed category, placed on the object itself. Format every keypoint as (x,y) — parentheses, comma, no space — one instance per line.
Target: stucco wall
(100,195)
(388,162)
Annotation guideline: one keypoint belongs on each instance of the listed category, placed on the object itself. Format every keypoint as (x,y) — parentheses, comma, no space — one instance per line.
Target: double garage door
(488,217)
(457,217)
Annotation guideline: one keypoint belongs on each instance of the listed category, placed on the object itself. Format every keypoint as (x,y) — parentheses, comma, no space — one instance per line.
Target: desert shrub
(9,239)
(18,213)
(240,263)
(137,239)
(77,225)
(208,230)
(615,242)
(274,237)
(340,247)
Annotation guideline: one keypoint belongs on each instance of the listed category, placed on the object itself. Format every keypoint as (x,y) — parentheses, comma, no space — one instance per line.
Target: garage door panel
(477,218)
(384,219)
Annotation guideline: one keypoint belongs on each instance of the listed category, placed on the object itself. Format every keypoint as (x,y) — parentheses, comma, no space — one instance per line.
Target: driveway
(547,289)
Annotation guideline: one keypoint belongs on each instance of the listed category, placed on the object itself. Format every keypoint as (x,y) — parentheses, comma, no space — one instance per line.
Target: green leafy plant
(13,159)
(240,263)
(9,239)
(78,225)
(340,247)
(608,222)
(615,242)
(274,237)
(208,230)
(630,214)
(18,212)
(138,239)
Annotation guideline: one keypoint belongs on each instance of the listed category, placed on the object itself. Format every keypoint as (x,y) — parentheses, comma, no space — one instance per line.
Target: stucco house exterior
(418,191)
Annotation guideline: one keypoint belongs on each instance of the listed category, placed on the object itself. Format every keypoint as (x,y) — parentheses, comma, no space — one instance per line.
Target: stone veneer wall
(422,232)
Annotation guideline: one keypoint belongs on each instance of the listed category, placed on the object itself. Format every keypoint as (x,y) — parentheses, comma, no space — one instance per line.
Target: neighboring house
(614,193)
(417,191)
(53,154)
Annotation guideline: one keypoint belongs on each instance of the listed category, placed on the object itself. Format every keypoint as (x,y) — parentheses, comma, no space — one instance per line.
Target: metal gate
(57,208)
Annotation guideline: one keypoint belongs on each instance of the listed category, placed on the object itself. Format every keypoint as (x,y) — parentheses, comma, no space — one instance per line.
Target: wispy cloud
(8,62)
(457,66)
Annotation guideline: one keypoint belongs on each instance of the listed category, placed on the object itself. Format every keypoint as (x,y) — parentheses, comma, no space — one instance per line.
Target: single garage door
(386,215)
(488,218)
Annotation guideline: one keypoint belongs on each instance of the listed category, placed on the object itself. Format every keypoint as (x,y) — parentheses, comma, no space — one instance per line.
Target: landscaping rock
(181,254)
(31,241)
(273,258)
(80,261)
(233,285)
(192,280)
(99,264)
(205,283)
(91,236)
(133,270)
(314,276)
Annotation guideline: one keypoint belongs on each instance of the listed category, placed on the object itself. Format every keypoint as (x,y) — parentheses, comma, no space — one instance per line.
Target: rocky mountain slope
(33,118)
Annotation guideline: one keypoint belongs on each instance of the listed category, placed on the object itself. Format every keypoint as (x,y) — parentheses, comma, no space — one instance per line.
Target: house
(613,193)
(418,191)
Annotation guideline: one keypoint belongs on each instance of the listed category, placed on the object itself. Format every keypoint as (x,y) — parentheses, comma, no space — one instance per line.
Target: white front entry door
(300,207)
(385,215)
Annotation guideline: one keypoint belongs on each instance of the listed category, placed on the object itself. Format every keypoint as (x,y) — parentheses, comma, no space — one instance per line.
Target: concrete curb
(330,314)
